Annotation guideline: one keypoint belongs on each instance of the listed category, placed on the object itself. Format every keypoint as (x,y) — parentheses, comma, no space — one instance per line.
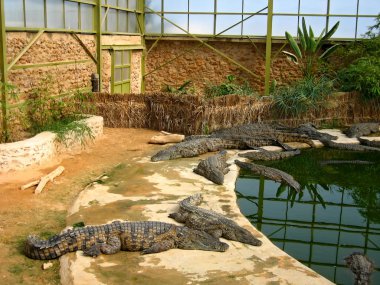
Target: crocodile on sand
(346,146)
(145,236)
(214,167)
(266,155)
(369,143)
(362,129)
(211,222)
(241,137)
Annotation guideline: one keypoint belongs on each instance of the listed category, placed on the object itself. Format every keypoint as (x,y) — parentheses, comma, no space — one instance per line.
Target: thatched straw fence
(190,114)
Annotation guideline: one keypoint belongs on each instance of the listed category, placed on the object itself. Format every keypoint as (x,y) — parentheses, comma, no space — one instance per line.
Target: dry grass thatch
(190,114)
(186,114)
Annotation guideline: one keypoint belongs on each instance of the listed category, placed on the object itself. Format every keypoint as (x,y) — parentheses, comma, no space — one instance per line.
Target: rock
(47,265)
(164,139)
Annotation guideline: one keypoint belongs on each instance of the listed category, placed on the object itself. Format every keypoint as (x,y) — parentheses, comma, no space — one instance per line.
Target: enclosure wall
(203,66)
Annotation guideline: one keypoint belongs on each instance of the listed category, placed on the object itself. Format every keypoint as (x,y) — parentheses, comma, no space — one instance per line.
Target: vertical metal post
(142,31)
(260,209)
(328,16)
(98,24)
(3,71)
(268,47)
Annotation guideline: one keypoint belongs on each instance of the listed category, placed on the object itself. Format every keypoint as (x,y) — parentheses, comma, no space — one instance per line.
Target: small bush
(307,94)
(58,115)
(362,76)
(183,89)
(229,87)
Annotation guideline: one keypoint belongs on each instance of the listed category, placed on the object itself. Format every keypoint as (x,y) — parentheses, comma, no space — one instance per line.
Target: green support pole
(4,72)
(268,47)
(260,209)
(141,21)
(98,24)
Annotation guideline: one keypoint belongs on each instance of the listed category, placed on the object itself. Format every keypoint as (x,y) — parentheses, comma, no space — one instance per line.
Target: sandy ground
(22,212)
(137,190)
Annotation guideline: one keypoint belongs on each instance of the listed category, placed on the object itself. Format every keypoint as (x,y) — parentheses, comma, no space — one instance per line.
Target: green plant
(58,115)
(229,86)
(362,73)
(362,76)
(11,91)
(183,89)
(308,54)
(374,31)
(307,94)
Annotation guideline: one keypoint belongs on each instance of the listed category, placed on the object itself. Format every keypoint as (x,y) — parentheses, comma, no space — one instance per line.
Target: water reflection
(323,223)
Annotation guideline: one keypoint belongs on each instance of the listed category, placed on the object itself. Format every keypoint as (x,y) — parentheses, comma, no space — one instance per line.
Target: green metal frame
(268,52)
(298,14)
(3,72)
(113,64)
(204,42)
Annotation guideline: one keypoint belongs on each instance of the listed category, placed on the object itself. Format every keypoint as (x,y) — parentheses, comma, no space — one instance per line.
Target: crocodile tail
(37,248)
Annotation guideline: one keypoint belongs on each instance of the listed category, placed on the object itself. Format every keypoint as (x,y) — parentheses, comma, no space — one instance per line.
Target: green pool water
(336,213)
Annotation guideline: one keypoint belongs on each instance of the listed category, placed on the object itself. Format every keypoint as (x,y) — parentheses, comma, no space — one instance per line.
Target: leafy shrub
(308,54)
(362,76)
(184,88)
(58,115)
(229,87)
(360,64)
(307,94)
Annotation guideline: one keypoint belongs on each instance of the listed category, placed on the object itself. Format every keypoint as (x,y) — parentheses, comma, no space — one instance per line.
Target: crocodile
(195,147)
(361,266)
(328,162)
(369,143)
(271,173)
(214,167)
(200,145)
(266,155)
(346,146)
(274,131)
(145,236)
(211,222)
(362,129)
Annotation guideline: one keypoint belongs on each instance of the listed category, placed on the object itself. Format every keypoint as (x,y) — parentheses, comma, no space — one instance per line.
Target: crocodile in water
(145,236)
(214,167)
(328,162)
(211,222)
(361,266)
(271,173)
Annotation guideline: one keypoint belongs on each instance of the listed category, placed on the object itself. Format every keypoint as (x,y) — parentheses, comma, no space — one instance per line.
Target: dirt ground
(23,213)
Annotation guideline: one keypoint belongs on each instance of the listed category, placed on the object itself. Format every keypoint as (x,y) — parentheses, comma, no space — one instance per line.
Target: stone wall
(136,76)
(203,66)
(60,47)
(43,147)
(50,47)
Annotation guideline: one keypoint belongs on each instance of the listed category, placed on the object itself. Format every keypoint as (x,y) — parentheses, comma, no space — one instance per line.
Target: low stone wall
(42,148)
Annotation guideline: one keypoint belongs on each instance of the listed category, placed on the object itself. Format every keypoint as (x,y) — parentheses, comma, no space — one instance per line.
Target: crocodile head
(161,156)
(242,235)
(194,239)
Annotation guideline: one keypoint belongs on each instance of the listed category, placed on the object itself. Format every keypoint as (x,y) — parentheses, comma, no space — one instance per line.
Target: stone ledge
(43,147)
